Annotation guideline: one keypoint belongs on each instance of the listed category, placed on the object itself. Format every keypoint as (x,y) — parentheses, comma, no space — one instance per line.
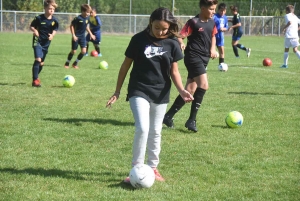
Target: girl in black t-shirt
(154,53)
(200,32)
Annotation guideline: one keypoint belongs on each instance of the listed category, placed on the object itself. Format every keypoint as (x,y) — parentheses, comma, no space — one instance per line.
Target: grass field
(61,143)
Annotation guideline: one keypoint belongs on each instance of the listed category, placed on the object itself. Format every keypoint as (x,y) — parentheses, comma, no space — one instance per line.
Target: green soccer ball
(68,81)
(103,65)
(234,119)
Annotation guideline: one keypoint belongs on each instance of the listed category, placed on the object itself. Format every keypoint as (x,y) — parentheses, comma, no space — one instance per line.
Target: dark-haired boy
(201,46)
(78,27)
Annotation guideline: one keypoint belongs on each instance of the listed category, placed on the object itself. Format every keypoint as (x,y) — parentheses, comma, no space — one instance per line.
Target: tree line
(145,7)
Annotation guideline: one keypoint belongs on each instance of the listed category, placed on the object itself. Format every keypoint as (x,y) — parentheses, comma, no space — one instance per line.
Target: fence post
(244,25)
(263,29)
(134,24)
(272,25)
(278,26)
(250,22)
(15,21)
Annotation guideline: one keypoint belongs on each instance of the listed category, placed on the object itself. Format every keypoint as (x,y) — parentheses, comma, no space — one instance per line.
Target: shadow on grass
(257,93)
(59,173)
(79,122)
(13,84)
(122,185)
(74,175)
(220,126)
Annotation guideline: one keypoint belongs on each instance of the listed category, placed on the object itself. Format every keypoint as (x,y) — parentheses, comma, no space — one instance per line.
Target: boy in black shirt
(78,27)
(200,32)
(237,32)
(44,28)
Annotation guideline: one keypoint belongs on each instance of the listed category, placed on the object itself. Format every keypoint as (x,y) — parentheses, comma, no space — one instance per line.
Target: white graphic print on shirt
(153,51)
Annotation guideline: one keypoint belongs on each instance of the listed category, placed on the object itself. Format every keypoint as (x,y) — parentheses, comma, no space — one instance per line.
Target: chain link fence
(19,21)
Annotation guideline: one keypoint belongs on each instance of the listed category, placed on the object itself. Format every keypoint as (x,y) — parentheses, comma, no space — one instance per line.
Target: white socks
(285,58)
(298,54)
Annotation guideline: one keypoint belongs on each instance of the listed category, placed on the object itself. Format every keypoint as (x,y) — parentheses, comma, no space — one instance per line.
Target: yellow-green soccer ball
(103,65)
(68,81)
(234,119)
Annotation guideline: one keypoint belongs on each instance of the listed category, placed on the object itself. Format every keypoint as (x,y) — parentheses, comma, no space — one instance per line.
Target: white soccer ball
(223,67)
(142,176)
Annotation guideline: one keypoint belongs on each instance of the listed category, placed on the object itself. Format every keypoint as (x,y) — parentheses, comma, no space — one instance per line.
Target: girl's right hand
(112,99)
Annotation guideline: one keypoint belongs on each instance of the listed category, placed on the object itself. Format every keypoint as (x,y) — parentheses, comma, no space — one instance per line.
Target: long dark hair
(165,15)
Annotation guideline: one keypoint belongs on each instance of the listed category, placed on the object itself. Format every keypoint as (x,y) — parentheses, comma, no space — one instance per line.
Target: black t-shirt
(44,26)
(199,35)
(235,20)
(80,23)
(152,59)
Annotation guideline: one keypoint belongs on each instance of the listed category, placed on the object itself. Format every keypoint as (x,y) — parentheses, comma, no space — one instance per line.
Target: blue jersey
(235,20)
(45,27)
(221,22)
(80,23)
(95,24)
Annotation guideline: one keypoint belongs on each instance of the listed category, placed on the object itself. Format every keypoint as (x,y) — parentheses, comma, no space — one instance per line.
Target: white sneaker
(248,52)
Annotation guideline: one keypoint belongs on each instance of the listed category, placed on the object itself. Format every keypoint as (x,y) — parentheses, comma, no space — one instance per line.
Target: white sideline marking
(277,71)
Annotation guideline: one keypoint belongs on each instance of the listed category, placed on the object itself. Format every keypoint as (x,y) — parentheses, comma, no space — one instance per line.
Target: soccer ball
(267,62)
(103,65)
(234,119)
(94,53)
(68,81)
(142,176)
(223,67)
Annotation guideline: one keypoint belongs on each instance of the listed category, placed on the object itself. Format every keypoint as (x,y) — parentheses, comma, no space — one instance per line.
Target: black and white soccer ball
(142,176)
(223,67)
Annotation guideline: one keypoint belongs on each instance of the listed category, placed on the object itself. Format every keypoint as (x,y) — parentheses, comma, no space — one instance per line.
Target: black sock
(221,60)
(79,57)
(97,49)
(235,50)
(198,97)
(40,69)
(242,47)
(177,105)
(70,56)
(35,70)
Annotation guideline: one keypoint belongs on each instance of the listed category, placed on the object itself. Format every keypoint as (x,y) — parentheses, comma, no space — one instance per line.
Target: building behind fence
(19,21)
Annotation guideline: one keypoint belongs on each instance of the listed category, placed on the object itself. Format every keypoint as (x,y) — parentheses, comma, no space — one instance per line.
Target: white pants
(148,124)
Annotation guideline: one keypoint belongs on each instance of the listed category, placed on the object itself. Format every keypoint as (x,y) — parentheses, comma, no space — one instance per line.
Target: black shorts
(194,67)
(40,50)
(80,41)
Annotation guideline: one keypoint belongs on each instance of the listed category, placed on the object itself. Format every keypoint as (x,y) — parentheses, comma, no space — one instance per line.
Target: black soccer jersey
(152,59)
(80,23)
(235,20)
(199,35)
(44,26)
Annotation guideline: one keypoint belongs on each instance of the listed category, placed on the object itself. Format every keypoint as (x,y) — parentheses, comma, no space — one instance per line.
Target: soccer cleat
(191,125)
(158,176)
(126,180)
(99,55)
(36,83)
(86,54)
(168,122)
(75,65)
(284,66)
(67,65)
(248,52)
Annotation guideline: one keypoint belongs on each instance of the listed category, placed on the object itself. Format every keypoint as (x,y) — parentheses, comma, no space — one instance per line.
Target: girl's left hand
(186,96)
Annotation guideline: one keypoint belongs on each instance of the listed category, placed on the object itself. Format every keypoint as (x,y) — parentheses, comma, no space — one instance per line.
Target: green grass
(61,143)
